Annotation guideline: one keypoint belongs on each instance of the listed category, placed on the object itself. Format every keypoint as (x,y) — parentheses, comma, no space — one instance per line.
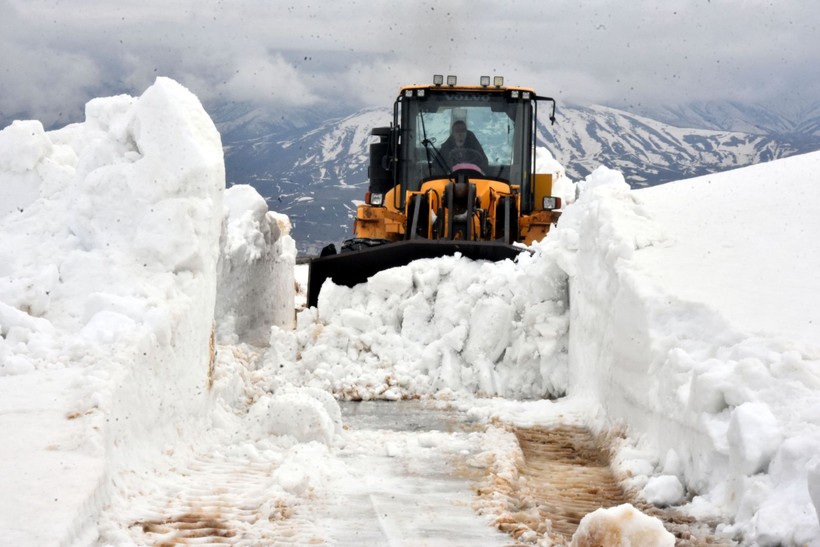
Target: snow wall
(112,230)
(725,413)
(256,286)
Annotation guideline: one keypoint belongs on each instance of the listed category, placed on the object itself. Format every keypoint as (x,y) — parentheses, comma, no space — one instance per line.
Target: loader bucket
(352,268)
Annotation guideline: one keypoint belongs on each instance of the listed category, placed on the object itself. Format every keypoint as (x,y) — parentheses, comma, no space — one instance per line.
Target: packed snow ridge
(145,310)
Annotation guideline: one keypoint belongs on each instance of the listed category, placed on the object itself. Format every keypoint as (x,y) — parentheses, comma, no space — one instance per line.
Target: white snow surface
(145,327)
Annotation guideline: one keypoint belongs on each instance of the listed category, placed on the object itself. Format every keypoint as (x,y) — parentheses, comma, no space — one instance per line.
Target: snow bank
(256,286)
(434,326)
(107,293)
(729,413)
(745,237)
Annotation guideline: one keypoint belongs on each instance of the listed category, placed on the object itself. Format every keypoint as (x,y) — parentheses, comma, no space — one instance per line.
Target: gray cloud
(56,55)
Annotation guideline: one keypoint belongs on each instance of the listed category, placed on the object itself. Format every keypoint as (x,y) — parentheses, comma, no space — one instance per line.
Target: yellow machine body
(454,172)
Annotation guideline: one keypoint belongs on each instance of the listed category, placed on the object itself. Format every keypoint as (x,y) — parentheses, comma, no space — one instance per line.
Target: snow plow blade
(352,268)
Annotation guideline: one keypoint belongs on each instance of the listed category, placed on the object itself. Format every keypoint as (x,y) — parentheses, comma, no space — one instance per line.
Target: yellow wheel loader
(454,173)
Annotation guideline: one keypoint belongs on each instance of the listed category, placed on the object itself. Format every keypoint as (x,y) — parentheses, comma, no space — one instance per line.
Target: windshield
(490,125)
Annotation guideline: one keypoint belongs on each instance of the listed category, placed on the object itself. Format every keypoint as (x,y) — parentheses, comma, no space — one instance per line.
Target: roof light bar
(485,81)
(451,80)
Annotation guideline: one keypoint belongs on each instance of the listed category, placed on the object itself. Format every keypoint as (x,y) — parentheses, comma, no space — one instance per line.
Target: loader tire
(361,243)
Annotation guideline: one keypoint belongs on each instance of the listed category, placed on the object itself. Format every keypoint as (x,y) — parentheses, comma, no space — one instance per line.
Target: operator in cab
(462,149)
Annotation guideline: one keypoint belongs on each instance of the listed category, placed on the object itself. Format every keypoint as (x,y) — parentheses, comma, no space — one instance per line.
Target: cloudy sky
(57,54)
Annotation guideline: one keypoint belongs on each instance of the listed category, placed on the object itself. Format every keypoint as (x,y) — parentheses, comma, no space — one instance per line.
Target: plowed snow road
(405,473)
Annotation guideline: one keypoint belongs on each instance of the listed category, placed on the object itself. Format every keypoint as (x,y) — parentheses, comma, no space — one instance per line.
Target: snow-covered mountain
(799,122)
(312,170)
(651,152)
(314,166)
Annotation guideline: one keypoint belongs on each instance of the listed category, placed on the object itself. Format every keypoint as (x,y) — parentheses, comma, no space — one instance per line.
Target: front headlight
(551,202)
(377,199)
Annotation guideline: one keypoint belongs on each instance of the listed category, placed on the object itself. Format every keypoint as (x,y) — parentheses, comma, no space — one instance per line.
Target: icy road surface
(401,477)
(414,467)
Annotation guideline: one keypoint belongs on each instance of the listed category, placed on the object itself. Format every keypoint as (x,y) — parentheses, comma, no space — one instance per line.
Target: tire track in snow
(569,475)
(404,487)
(564,474)
(210,501)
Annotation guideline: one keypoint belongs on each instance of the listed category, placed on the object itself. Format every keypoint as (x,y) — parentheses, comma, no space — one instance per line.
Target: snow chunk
(304,414)
(604,177)
(622,526)
(787,514)
(663,490)
(754,436)
(23,145)
(27,160)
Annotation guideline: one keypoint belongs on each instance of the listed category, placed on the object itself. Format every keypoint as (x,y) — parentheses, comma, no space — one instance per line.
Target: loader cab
(501,118)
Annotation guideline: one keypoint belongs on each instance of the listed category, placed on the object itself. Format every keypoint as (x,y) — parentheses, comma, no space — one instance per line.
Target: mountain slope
(797,122)
(650,152)
(313,173)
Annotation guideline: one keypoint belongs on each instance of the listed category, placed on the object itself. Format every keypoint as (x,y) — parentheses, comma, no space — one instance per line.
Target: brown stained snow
(211,357)
(177,530)
(213,501)
(562,474)
(569,475)
(214,525)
